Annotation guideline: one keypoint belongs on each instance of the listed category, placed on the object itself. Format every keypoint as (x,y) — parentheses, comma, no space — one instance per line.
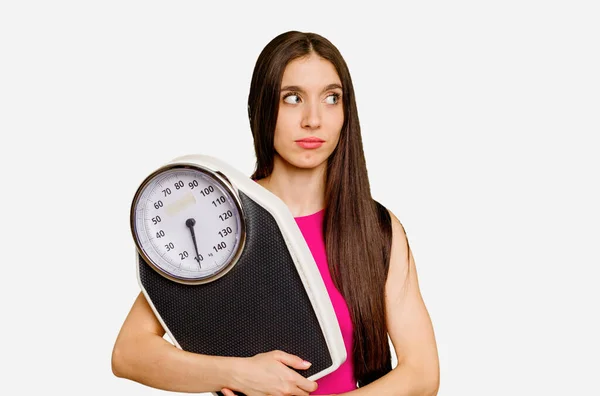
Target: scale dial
(188,224)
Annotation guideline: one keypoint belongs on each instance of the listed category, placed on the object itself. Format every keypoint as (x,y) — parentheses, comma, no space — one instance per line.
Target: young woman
(309,153)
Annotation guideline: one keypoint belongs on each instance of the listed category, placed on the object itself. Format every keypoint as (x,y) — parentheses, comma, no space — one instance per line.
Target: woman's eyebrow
(300,89)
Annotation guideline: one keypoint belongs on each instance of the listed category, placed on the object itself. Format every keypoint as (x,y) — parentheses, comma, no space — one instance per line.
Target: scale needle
(190,224)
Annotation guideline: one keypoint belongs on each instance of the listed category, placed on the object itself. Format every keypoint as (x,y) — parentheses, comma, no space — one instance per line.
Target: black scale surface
(259,306)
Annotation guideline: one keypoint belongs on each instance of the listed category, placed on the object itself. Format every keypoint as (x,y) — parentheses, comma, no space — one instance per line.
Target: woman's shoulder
(383,213)
(394,233)
(389,221)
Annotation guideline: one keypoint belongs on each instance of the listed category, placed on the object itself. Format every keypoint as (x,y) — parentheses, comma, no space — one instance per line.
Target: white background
(480,124)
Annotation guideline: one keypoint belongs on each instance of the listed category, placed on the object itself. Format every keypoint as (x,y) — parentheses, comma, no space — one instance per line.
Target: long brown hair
(356,228)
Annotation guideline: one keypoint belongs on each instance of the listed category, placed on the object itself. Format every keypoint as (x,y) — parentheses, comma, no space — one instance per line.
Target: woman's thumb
(292,360)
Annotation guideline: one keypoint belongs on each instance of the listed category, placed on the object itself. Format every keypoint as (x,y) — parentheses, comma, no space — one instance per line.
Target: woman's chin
(306,161)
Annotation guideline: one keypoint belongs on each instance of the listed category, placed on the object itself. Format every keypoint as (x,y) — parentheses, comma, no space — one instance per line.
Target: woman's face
(310,108)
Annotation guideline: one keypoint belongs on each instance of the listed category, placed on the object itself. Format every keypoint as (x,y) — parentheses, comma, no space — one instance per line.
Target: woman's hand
(268,374)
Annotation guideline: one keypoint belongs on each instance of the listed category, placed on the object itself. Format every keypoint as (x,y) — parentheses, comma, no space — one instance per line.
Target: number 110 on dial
(187,224)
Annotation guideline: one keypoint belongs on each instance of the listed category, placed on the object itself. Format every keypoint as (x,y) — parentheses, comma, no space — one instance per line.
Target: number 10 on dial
(188,224)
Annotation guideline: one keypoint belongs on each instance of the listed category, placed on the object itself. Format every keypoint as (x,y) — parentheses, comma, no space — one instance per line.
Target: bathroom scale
(225,268)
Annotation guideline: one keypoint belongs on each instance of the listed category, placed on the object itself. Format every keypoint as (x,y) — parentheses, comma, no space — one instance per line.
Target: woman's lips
(310,143)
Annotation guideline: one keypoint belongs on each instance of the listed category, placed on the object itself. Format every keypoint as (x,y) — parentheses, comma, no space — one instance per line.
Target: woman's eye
(333,99)
(292,100)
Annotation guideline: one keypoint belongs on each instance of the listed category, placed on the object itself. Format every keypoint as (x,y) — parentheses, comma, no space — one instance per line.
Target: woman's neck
(302,190)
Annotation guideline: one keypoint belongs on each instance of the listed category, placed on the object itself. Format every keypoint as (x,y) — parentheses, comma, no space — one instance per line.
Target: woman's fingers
(303,384)
(291,360)
(306,385)
(227,392)
(299,392)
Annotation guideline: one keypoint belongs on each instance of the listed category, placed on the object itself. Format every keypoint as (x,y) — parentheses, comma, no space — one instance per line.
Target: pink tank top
(342,379)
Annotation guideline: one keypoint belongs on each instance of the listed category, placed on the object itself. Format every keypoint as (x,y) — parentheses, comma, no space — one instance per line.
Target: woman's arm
(409,328)
(141,354)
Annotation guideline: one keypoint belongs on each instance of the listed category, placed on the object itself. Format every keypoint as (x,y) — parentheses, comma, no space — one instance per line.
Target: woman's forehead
(310,73)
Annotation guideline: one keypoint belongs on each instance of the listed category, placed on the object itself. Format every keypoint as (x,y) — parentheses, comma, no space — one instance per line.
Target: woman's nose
(312,116)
